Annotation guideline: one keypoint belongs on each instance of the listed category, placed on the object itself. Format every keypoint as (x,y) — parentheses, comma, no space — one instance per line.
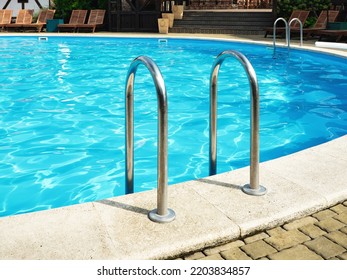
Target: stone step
(210,30)
(222,22)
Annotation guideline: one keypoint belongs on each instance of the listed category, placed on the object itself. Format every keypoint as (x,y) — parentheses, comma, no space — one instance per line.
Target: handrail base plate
(155,217)
(257,192)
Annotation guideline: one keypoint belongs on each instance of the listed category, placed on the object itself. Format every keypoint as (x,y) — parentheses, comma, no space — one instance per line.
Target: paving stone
(342,218)
(215,257)
(325,247)
(343,256)
(237,243)
(330,224)
(340,208)
(255,237)
(195,256)
(299,252)
(327,228)
(235,254)
(274,231)
(215,250)
(312,231)
(324,214)
(300,223)
(258,249)
(344,230)
(338,237)
(287,239)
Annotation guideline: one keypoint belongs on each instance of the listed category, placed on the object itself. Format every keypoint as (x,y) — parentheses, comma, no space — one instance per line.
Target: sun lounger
(5,18)
(44,15)
(299,14)
(320,24)
(336,34)
(96,19)
(77,17)
(23,17)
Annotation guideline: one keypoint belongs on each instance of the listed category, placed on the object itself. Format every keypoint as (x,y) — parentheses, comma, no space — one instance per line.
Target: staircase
(238,22)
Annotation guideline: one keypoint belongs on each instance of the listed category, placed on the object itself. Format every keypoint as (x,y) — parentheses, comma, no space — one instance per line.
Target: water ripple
(62,113)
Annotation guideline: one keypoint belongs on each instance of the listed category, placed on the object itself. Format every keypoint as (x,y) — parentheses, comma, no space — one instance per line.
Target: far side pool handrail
(162,214)
(274,32)
(253,188)
(301,31)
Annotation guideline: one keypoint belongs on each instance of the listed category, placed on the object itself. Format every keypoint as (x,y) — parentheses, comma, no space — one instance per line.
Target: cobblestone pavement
(320,236)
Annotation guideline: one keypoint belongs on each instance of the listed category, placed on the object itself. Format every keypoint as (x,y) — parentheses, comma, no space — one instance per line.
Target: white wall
(15,6)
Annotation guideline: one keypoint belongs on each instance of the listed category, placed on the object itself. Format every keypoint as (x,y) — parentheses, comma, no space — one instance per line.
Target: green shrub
(64,7)
(285,8)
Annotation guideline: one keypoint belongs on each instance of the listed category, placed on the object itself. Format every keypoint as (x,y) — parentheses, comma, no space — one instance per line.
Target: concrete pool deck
(209,212)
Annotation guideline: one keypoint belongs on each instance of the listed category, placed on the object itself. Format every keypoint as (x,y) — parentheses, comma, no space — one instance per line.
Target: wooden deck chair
(77,17)
(302,15)
(44,15)
(320,24)
(5,18)
(23,17)
(337,35)
(96,19)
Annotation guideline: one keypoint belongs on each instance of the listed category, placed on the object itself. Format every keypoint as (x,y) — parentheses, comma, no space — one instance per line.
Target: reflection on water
(62,113)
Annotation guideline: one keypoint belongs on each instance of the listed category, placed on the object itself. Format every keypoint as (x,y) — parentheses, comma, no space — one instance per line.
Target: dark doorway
(134,15)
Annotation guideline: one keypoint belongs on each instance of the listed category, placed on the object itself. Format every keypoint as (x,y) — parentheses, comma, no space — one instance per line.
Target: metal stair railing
(253,188)
(162,214)
(287,31)
(301,31)
(274,32)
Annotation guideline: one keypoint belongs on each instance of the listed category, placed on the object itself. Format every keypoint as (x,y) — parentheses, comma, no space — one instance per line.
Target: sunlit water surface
(62,107)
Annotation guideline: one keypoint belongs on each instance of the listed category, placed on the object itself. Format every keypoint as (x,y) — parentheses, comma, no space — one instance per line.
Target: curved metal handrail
(253,187)
(162,214)
(301,31)
(274,32)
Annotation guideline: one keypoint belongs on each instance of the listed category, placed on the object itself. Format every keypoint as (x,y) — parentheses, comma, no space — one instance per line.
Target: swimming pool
(62,113)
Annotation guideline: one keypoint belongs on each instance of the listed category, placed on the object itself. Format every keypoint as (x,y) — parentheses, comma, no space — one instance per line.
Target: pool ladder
(163,214)
(253,188)
(287,31)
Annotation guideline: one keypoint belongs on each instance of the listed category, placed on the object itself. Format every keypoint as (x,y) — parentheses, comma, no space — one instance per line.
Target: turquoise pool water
(62,113)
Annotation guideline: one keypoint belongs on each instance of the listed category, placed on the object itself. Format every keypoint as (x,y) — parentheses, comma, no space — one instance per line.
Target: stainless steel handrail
(253,188)
(287,30)
(274,32)
(162,214)
(301,31)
